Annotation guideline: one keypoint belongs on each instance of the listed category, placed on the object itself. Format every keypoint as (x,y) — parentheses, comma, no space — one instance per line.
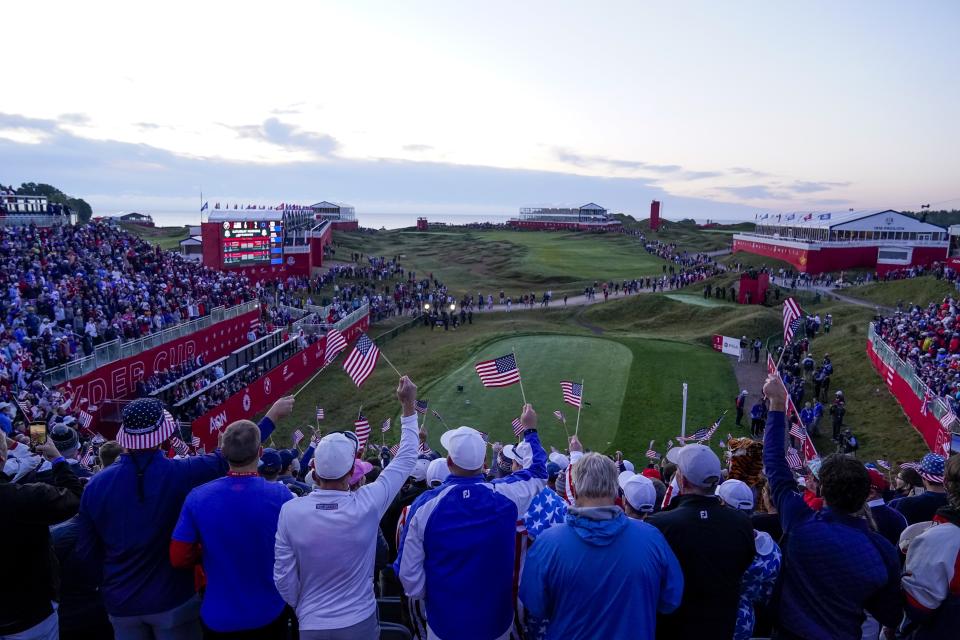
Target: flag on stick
(179,446)
(362,428)
(793,459)
(362,360)
(500,372)
(335,344)
(559,415)
(797,431)
(297,437)
(385,426)
(651,452)
(319,413)
(87,459)
(85,419)
(925,405)
(517,427)
(572,393)
(394,449)
(883,464)
(421,406)
(791,319)
(195,441)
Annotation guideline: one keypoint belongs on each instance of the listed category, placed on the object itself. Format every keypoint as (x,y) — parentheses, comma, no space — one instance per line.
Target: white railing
(116,350)
(906,371)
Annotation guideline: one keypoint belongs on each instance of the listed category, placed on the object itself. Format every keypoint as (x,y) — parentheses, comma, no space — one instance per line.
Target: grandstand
(588,217)
(37,210)
(343,216)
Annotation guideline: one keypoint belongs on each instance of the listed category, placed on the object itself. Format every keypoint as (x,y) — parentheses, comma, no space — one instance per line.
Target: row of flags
(792,216)
(254,207)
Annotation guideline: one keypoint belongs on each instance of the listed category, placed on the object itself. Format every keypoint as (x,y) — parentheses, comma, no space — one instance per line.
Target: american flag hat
(931,468)
(146,424)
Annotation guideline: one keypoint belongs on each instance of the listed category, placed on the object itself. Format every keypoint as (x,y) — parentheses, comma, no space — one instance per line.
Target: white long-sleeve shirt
(326,543)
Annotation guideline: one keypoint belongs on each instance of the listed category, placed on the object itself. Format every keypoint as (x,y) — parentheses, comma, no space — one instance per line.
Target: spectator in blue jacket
(230,518)
(127,516)
(457,546)
(835,566)
(756,418)
(601,574)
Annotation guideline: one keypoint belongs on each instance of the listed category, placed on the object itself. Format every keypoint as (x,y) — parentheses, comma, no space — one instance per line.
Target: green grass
(917,290)
(544,361)
(698,300)
(166,237)
(516,262)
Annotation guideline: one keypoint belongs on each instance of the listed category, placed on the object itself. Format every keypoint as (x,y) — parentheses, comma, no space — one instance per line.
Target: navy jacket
(834,566)
(129,540)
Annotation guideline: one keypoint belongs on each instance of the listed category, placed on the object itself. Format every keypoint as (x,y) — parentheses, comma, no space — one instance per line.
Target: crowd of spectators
(928,339)
(573,544)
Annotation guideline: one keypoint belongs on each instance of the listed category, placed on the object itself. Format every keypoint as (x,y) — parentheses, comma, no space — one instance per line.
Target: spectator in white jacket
(326,541)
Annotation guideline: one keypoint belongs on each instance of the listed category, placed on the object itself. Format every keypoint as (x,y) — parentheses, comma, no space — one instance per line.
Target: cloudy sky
(720,109)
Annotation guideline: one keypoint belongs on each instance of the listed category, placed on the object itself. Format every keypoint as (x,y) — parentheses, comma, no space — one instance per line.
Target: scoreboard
(252,242)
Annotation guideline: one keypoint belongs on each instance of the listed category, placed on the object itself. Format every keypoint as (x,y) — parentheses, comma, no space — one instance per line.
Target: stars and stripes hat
(146,424)
(931,468)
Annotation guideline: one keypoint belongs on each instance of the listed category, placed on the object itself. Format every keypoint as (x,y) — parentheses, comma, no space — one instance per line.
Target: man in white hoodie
(326,541)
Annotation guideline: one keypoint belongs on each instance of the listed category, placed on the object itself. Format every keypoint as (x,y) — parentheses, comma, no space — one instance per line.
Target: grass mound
(917,290)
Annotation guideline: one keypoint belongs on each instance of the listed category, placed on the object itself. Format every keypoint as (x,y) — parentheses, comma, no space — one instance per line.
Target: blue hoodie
(601,575)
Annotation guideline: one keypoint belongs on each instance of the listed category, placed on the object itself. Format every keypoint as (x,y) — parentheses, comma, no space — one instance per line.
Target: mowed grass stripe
(544,361)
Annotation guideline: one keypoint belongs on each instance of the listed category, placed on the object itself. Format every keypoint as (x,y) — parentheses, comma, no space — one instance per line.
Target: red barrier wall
(756,287)
(831,258)
(259,395)
(118,380)
(934,434)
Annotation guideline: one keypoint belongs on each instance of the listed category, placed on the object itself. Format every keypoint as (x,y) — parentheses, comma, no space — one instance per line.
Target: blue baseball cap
(553,470)
(271,460)
(286,457)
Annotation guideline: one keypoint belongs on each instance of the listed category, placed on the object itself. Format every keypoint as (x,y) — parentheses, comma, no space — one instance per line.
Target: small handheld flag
(335,344)
(793,459)
(385,426)
(572,393)
(362,428)
(319,413)
(517,427)
(500,372)
(883,464)
(791,319)
(297,437)
(362,360)
(195,441)
(421,406)
(559,415)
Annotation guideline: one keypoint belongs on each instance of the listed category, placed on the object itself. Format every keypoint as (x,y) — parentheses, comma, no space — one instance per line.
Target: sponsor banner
(727,345)
(118,380)
(936,436)
(264,391)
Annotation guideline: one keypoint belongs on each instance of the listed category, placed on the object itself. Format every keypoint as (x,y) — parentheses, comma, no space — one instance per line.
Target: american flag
(335,344)
(771,365)
(424,449)
(797,431)
(421,406)
(179,446)
(669,444)
(98,439)
(517,427)
(793,459)
(195,441)
(883,464)
(297,437)
(501,372)
(87,459)
(385,426)
(572,393)
(319,413)
(85,419)
(362,360)
(791,319)
(925,404)
(652,455)
(394,449)
(436,414)
(362,428)
(559,415)
(947,419)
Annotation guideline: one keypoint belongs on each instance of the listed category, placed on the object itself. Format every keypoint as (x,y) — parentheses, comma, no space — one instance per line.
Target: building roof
(192,240)
(245,214)
(844,220)
(330,205)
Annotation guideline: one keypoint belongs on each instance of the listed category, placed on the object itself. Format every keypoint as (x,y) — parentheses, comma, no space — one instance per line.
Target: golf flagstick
(516,362)
(576,430)
(683,417)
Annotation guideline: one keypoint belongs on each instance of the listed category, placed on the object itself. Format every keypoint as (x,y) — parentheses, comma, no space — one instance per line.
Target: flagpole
(683,417)
(565,430)
(516,362)
(390,363)
(576,430)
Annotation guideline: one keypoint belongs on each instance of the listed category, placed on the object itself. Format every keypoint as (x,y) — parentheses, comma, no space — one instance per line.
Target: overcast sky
(718,108)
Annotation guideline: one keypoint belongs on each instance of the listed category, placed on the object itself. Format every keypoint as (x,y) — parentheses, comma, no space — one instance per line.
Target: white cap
(437,471)
(736,494)
(334,456)
(521,453)
(699,465)
(628,465)
(560,460)
(465,446)
(638,490)
(419,472)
